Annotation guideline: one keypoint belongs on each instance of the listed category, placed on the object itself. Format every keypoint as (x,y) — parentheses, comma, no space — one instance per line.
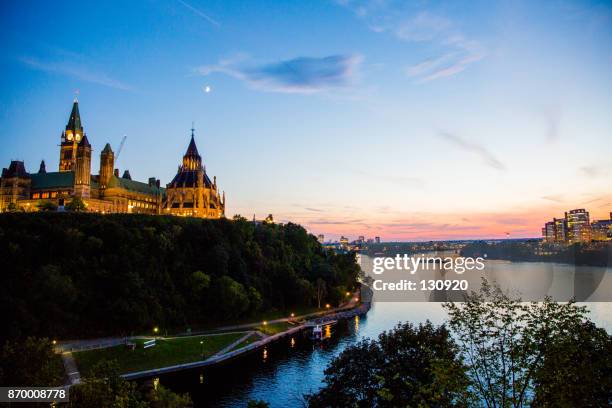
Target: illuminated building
(190,193)
(602,230)
(578,226)
(548,232)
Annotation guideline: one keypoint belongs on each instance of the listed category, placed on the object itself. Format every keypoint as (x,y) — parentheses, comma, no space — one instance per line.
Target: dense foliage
(106,389)
(78,274)
(542,354)
(499,352)
(30,362)
(593,253)
(409,366)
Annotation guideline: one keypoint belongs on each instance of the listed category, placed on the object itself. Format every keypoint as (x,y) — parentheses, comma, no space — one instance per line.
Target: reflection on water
(283,372)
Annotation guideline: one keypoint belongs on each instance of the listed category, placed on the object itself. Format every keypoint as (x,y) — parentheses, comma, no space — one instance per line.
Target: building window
(45,195)
(53,194)
(36,195)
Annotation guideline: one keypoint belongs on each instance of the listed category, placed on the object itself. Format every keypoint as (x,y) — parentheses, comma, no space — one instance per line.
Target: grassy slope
(165,353)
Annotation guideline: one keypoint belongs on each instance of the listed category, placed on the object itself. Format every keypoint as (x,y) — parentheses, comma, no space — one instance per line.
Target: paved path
(105,342)
(72,372)
(234,344)
(74,377)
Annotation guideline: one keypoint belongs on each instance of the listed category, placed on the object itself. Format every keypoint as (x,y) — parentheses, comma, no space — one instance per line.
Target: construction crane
(120,148)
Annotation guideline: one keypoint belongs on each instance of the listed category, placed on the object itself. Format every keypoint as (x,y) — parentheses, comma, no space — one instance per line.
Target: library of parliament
(190,193)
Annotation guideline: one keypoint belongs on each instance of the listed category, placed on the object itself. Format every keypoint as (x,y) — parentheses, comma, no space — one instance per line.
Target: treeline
(79,275)
(592,254)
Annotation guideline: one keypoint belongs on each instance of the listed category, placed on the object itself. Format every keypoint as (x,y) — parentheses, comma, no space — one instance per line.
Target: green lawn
(166,353)
(273,328)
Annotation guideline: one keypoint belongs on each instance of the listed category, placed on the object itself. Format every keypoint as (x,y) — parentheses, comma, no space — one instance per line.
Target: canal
(283,373)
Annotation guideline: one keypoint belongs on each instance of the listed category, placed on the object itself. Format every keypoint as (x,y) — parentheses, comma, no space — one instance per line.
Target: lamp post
(202,348)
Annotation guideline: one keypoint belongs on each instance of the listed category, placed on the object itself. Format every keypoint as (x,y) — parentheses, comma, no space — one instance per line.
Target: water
(293,367)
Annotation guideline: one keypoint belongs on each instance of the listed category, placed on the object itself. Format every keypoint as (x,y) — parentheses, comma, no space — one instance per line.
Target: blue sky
(409,120)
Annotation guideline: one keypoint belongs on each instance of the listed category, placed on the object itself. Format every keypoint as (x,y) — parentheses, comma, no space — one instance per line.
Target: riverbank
(188,351)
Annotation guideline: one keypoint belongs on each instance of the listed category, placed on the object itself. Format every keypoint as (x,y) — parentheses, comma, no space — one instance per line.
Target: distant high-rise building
(578,226)
(548,232)
(602,230)
(560,229)
(377,240)
(321,238)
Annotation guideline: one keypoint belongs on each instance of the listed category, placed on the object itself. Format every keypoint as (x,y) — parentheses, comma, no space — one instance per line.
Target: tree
(47,206)
(320,291)
(410,365)
(12,207)
(257,404)
(576,370)
(164,398)
(514,350)
(105,388)
(30,363)
(76,205)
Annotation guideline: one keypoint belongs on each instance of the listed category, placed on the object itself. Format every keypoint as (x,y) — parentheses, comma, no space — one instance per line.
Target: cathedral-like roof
(188,178)
(192,149)
(84,142)
(107,148)
(15,169)
(74,123)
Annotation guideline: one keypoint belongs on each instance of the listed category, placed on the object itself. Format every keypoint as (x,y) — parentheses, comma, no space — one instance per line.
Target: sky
(405,120)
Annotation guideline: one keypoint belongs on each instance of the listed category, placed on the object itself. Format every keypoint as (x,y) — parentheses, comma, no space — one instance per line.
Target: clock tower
(71,138)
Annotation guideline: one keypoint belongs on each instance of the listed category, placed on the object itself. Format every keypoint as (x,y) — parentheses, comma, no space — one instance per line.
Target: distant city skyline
(423,121)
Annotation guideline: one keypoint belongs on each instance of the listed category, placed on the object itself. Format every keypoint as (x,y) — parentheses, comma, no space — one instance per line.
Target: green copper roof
(57,179)
(74,123)
(135,186)
(107,149)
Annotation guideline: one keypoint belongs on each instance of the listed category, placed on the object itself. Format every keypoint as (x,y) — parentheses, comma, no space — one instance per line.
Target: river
(284,372)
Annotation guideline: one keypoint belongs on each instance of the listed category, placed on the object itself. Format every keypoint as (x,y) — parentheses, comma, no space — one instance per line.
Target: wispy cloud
(556,198)
(592,171)
(200,13)
(409,22)
(76,71)
(487,157)
(298,75)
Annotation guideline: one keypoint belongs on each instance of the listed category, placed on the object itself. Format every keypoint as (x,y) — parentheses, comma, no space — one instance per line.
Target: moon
(207,88)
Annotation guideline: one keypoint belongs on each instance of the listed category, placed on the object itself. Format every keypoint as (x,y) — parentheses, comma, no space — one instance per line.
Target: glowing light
(292,342)
(155,383)
(201,378)
(265,323)
(265,354)
(54,342)
(155,329)
(327,306)
(292,314)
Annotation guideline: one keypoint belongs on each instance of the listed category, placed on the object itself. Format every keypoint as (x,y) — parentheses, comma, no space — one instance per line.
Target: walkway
(72,372)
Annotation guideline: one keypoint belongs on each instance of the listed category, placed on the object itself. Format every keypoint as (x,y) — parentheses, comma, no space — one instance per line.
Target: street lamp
(202,348)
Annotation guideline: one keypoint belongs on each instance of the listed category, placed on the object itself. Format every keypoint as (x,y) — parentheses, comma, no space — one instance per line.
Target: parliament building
(190,193)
